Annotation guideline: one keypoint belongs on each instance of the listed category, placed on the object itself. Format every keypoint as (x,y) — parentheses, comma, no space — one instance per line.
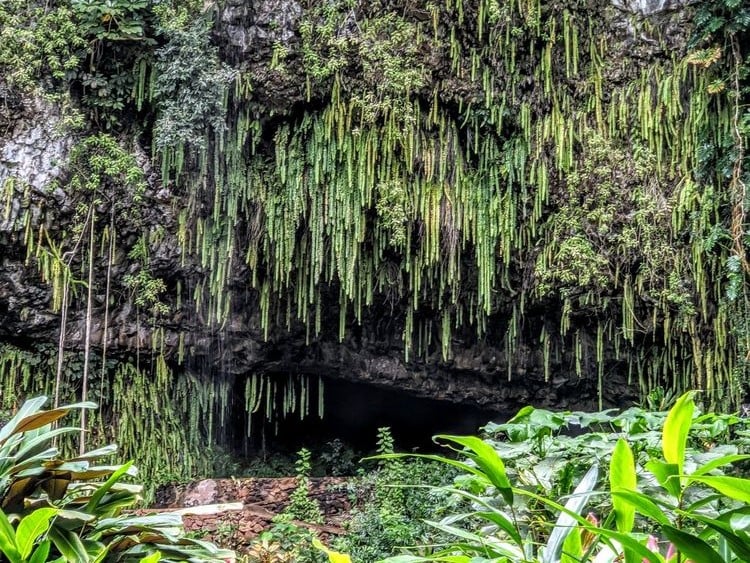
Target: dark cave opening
(353,412)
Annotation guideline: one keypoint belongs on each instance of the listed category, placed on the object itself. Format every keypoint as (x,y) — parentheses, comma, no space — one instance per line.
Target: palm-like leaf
(75,503)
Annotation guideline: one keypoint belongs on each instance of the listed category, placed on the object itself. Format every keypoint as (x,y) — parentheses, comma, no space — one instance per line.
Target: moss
(612,221)
(190,88)
(471,163)
(37,43)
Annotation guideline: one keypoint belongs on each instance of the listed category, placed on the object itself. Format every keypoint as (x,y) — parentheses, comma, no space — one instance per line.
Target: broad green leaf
(8,539)
(735,488)
(566,521)
(159,520)
(456,531)
(719,462)
(31,527)
(695,548)
(205,547)
(41,552)
(622,476)
(487,460)
(667,474)
(35,462)
(67,466)
(29,469)
(38,420)
(703,501)
(572,548)
(478,542)
(739,542)
(153,558)
(498,517)
(416,559)
(86,472)
(521,415)
(97,550)
(31,445)
(106,486)
(32,418)
(97,453)
(676,428)
(627,541)
(29,407)
(642,504)
(113,502)
(68,544)
(72,518)
(502,522)
(630,544)
(740,522)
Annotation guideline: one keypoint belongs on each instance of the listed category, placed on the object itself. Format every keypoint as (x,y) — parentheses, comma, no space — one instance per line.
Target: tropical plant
(285,542)
(698,510)
(548,450)
(333,556)
(301,506)
(21,545)
(71,509)
(37,43)
(190,88)
(393,500)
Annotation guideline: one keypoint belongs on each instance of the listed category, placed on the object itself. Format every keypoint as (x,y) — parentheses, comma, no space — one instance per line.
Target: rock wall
(563,287)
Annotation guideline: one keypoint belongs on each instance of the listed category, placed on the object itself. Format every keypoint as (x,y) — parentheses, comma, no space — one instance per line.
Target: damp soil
(260,500)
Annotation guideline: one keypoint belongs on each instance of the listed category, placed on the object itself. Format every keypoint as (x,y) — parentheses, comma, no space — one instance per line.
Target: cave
(481,203)
(352,413)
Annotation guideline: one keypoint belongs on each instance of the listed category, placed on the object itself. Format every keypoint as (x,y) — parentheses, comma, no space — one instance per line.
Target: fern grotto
(215,215)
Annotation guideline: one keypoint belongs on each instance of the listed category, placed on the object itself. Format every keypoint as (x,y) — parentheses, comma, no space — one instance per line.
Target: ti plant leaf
(622,476)
(676,428)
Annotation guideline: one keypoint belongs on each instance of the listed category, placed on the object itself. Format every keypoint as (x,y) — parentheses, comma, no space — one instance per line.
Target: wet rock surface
(480,372)
(33,150)
(650,7)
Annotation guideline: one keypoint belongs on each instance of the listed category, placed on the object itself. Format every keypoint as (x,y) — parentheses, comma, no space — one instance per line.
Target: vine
(721,33)
(473,166)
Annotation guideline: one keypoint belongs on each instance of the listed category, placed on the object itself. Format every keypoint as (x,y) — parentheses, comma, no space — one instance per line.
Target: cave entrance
(352,414)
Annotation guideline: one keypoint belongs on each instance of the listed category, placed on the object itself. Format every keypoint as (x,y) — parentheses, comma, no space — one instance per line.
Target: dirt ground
(261,500)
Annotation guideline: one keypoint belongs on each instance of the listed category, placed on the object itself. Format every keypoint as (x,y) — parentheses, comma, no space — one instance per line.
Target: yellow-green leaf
(622,476)
(735,488)
(676,428)
(31,527)
(333,556)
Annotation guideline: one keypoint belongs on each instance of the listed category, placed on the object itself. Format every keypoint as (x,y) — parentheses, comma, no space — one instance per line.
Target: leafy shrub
(35,42)
(54,507)
(549,450)
(190,88)
(118,39)
(393,505)
(678,490)
(285,542)
(337,459)
(301,506)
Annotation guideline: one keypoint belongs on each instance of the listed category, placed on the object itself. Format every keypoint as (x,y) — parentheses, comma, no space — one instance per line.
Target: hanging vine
(480,170)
